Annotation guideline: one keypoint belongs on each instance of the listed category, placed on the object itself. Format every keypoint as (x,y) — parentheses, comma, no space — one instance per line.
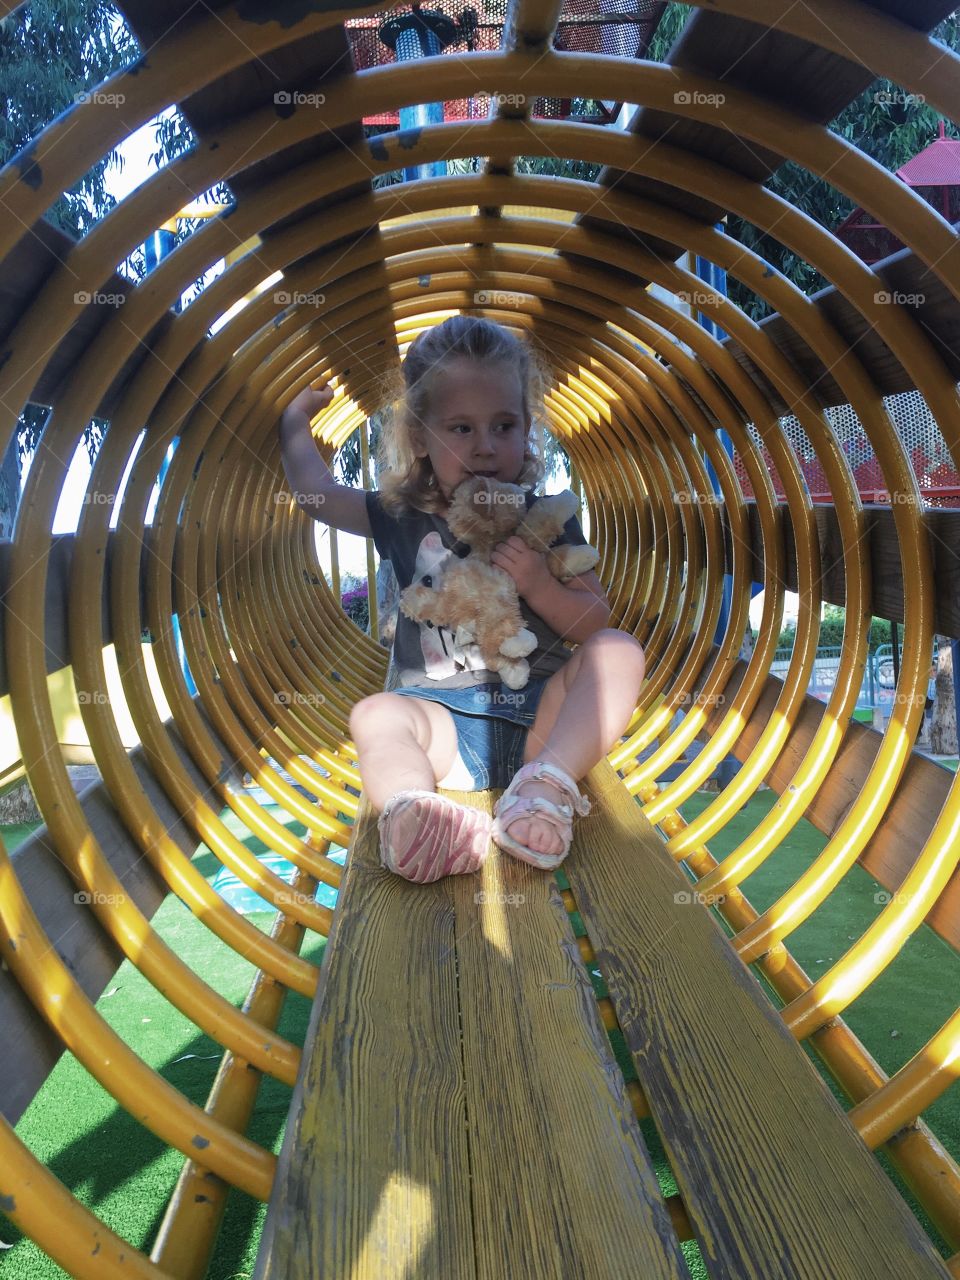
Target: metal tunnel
(639,392)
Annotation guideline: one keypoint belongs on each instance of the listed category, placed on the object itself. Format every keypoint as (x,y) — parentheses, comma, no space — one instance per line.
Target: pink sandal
(424,836)
(511,806)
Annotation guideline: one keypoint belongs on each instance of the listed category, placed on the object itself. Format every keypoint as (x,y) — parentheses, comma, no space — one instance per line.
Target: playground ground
(126,1175)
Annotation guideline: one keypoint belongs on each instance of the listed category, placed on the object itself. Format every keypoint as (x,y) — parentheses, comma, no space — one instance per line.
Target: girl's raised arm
(311,483)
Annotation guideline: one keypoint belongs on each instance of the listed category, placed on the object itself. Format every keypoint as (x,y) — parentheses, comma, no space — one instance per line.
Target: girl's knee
(371,713)
(617,646)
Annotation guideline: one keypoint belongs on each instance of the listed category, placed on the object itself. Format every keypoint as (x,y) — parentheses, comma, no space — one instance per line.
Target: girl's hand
(312,399)
(526,567)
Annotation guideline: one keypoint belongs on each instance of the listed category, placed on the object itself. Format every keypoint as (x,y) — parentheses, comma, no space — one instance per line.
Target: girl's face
(475,424)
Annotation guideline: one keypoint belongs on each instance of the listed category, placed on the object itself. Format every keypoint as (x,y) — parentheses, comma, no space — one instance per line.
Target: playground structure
(501,1138)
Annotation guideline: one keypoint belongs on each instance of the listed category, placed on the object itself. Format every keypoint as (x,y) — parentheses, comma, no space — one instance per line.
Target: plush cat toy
(475,599)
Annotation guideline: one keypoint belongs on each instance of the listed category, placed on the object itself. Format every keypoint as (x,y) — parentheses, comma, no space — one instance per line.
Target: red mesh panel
(614,27)
(937,476)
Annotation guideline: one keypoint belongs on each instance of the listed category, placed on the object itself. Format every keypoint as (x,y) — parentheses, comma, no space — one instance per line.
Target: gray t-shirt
(417,543)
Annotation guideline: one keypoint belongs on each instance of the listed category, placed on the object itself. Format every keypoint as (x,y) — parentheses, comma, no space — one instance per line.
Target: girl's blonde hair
(407,482)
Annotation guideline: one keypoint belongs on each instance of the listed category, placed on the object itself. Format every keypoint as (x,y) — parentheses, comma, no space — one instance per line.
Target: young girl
(466,411)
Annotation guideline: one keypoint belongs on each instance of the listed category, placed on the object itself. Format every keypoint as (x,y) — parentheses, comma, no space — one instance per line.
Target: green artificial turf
(115,1166)
(16,833)
(126,1175)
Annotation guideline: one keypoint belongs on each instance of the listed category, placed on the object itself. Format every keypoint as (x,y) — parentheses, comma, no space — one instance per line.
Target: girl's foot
(533,832)
(424,836)
(533,819)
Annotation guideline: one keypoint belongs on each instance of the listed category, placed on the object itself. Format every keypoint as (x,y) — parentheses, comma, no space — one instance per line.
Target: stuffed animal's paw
(515,674)
(568,562)
(519,646)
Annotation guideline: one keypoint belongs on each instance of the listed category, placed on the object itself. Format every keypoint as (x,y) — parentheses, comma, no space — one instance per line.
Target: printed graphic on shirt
(442,656)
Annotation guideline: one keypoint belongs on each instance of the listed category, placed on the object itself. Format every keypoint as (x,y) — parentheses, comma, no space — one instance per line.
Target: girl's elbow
(598,620)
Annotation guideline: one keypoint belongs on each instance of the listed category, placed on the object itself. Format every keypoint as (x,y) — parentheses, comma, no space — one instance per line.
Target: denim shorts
(491,722)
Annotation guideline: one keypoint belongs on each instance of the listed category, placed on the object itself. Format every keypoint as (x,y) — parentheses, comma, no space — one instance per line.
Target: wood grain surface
(373,1179)
(459,1111)
(562,1183)
(775,1179)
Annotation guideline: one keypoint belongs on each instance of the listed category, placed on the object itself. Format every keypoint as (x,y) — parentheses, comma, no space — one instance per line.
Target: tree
(671,23)
(50,53)
(943,731)
(883,122)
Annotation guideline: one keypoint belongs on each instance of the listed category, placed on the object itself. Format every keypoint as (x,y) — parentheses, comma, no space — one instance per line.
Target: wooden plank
(562,1184)
(303,64)
(373,1179)
(909,818)
(56,627)
(409,1153)
(938,314)
(775,1180)
(883,548)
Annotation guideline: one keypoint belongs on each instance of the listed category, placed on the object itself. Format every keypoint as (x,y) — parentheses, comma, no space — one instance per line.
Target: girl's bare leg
(585,707)
(403,744)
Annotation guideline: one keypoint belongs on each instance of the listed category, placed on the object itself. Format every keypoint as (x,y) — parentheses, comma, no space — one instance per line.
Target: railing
(879,682)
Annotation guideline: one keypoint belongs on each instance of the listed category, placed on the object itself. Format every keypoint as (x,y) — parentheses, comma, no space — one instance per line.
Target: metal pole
(895,638)
(715,278)
(421,34)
